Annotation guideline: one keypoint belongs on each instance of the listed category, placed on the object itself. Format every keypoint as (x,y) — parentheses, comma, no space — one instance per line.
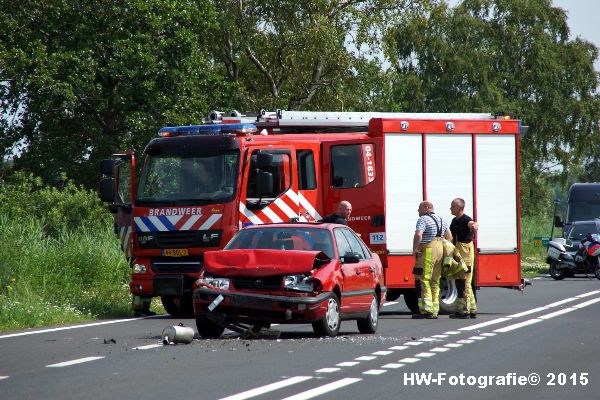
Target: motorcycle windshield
(175,179)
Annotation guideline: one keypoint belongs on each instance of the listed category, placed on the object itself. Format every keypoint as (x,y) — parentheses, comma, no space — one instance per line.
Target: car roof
(322,225)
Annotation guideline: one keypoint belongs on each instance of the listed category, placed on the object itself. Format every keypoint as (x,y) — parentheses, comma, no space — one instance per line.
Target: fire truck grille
(176,265)
(179,239)
(263,283)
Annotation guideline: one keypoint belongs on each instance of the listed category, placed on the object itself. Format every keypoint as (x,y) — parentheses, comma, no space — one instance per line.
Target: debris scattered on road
(110,341)
(176,334)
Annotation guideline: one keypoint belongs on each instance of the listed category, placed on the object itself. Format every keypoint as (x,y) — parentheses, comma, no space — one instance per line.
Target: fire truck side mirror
(558,222)
(264,160)
(107,190)
(264,184)
(107,167)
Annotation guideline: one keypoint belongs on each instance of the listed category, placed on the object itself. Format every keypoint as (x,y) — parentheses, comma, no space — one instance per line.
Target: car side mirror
(350,258)
(558,222)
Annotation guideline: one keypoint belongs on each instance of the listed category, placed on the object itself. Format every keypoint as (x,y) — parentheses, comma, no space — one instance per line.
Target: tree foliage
(81,80)
(504,55)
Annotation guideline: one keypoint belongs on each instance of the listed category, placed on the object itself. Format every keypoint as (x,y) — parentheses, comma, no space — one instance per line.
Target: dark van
(583,204)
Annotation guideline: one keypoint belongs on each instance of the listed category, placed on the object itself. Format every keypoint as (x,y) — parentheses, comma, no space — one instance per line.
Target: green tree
(304,54)
(505,55)
(80,80)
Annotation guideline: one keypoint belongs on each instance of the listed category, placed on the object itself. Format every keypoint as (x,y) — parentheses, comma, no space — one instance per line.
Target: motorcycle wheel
(597,271)
(556,273)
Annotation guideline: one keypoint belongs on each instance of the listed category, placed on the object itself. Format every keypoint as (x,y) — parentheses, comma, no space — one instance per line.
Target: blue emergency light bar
(208,129)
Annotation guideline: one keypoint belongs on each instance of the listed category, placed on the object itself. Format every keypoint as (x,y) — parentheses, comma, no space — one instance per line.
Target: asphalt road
(550,332)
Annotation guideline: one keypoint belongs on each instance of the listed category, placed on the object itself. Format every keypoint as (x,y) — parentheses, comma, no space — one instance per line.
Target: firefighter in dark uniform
(463,230)
(428,253)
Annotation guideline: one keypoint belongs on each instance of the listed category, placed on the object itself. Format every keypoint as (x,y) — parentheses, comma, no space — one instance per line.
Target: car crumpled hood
(261,262)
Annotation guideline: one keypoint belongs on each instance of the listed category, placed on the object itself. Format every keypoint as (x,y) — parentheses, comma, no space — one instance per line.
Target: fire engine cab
(200,184)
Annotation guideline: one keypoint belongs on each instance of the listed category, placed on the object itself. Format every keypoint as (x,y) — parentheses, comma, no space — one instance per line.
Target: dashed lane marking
(309,394)
(440,336)
(148,346)
(327,370)
(413,343)
(365,358)
(517,326)
(425,355)
(398,348)
(484,324)
(477,338)
(392,366)
(3,377)
(347,364)
(588,294)
(465,341)
(557,313)
(409,360)
(382,353)
(587,303)
(453,345)
(268,388)
(439,349)
(73,362)
(451,333)
(375,372)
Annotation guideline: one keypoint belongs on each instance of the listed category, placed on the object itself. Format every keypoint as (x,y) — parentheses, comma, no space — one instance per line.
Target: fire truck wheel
(329,325)
(371,321)
(448,296)
(207,328)
(597,271)
(411,300)
(178,306)
(393,294)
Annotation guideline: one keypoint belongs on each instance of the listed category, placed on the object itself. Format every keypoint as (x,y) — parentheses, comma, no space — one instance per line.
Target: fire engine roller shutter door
(403,189)
(449,172)
(496,180)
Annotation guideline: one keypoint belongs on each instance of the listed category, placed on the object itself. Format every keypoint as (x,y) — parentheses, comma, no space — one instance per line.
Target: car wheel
(370,323)
(448,295)
(555,272)
(207,328)
(329,325)
(411,300)
(178,306)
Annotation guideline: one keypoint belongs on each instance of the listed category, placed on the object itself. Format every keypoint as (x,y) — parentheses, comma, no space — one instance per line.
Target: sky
(583,20)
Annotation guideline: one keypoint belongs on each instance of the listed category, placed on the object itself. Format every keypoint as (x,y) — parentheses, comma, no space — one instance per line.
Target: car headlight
(139,269)
(300,283)
(219,283)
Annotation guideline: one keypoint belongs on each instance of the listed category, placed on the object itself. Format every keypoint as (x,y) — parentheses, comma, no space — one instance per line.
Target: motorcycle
(566,257)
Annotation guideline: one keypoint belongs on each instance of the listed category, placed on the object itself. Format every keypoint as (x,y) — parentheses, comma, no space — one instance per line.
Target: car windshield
(301,238)
(582,211)
(177,179)
(580,231)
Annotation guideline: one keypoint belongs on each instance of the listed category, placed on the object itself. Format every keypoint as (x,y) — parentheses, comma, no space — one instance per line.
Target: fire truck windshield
(188,179)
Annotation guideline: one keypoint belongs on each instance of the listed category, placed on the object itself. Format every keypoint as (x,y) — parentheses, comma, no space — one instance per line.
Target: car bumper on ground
(257,307)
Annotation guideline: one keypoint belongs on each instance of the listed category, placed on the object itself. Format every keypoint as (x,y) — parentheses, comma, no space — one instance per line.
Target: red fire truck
(200,184)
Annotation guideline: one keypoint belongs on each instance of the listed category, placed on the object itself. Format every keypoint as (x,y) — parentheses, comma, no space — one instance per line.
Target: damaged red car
(290,273)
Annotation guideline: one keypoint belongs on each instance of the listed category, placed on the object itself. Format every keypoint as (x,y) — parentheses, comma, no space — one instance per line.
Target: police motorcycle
(567,257)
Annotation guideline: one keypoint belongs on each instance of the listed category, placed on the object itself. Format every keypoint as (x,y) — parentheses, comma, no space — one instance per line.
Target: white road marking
(309,394)
(382,353)
(524,313)
(392,366)
(3,377)
(587,303)
(557,313)
(375,372)
(489,334)
(409,360)
(425,355)
(519,325)
(588,294)
(148,346)
(439,349)
(477,338)
(73,362)
(413,343)
(484,324)
(365,358)
(267,388)
(65,328)
(390,303)
(347,364)
(451,333)
(453,345)
(465,341)
(327,370)
(558,303)
(399,348)
(427,340)
(440,336)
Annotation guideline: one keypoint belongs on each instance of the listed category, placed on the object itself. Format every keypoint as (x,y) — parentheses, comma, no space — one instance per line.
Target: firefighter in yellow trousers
(428,253)
(463,230)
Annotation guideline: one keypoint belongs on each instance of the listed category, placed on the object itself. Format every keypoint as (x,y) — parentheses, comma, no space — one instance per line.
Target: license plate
(216,302)
(175,252)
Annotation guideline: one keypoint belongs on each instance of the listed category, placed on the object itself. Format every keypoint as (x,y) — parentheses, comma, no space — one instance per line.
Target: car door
(350,273)
(364,271)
